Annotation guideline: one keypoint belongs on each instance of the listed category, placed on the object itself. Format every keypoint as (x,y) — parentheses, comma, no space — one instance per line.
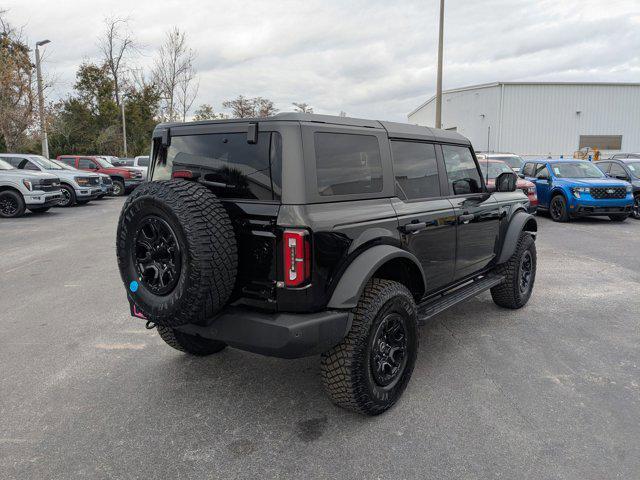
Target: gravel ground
(550,391)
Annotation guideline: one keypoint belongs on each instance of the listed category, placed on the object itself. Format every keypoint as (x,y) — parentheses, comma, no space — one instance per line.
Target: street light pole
(43,126)
(124,128)
(439,80)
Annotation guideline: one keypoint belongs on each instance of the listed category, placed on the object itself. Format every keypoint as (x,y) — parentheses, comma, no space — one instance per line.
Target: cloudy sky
(368,58)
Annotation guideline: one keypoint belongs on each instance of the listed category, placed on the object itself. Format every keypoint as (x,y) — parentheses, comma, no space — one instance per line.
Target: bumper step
(430,308)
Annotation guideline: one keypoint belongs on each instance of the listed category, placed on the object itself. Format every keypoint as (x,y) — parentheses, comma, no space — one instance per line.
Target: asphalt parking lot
(550,391)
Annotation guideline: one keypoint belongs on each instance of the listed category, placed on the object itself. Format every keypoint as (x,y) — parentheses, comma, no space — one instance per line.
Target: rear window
(347,164)
(232,167)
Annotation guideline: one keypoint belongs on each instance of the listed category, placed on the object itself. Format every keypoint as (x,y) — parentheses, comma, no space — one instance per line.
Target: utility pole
(439,80)
(124,128)
(43,126)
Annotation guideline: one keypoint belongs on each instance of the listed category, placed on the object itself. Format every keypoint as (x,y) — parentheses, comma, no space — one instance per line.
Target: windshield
(513,161)
(494,169)
(576,170)
(5,166)
(635,168)
(44,163)
(103,163)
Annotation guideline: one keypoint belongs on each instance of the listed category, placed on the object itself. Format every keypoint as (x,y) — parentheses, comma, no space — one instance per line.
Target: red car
(124,179)
(492,168)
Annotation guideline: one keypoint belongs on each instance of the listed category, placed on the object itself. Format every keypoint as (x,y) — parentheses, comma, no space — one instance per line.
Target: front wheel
(191,344)
(68,196)
(635,213)
(118,188)
(368,371)
(11,204)
(519,275)
(558,209)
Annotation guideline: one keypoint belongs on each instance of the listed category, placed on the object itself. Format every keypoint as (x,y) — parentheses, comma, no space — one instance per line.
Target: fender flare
(359,272)
(521,221)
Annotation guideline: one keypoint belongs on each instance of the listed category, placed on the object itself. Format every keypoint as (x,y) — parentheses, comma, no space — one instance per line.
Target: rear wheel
(368,371)
(619,217)
(118,188)
(519,275)
(11,204)
(558,209)
(68,196)
(191,344)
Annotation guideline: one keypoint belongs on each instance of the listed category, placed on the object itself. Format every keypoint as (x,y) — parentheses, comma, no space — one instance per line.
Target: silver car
(77,186)
(21,189)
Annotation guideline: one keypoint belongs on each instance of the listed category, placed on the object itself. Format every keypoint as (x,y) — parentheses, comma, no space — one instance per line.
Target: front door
(476,210)
(426,220)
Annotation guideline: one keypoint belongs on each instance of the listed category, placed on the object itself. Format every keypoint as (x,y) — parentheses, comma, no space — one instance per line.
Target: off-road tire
(621,217)
(346,368)
(207,251)
(191,344)
(70,195)
(38,209)
(509,294)
(563,214)
(118,188)
(16,207)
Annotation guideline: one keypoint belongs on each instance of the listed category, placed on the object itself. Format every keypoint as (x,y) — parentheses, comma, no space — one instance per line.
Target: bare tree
(116,44)
(302,107)
(173,65)
(243,107)
(187,91)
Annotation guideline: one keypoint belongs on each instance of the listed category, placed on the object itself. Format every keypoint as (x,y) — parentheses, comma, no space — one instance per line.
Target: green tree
(206,112)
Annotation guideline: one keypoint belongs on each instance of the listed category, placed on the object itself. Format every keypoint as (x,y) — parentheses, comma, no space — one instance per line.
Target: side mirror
(521,175)
(506,182)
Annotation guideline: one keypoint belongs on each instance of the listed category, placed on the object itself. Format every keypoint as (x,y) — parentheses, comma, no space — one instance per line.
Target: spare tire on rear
(176,252)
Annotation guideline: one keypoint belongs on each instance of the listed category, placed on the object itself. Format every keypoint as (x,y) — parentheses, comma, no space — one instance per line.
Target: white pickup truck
(23,189)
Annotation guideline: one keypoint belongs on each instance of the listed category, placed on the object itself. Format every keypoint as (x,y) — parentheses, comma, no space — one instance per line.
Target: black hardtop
(394,129)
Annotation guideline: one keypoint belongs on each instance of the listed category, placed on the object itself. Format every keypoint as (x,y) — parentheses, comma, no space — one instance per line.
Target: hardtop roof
(394,129)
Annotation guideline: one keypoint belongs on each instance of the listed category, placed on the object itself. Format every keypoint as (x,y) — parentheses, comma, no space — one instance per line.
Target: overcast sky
(372,59)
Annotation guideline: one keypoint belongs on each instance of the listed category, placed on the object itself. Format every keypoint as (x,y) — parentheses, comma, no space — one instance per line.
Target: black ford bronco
(304,234)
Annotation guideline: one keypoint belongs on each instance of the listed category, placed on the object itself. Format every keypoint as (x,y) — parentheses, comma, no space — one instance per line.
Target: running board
(428,309)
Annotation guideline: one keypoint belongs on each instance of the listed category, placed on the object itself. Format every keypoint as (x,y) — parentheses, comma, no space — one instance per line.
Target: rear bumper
(284,335)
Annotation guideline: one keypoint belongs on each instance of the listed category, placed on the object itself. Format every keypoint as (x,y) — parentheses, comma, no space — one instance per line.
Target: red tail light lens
(297,257)
(182,174)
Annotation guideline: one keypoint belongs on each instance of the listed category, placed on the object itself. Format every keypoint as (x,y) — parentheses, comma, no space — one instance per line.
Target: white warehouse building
(541,119)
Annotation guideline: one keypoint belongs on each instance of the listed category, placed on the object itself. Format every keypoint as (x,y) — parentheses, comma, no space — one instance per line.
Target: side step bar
(432,307)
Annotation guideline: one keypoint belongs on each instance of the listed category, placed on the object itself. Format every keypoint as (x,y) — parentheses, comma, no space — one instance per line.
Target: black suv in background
(628,169)
(304,234)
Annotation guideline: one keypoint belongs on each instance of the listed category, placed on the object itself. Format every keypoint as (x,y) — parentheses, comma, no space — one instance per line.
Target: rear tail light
(182,174)
(297,257)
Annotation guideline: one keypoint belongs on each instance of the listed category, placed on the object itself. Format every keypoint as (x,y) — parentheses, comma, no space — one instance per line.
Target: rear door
(425,216)
(476,211)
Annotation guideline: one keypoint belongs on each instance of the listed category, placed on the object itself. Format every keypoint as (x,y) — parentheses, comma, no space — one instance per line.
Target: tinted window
(604,166)
(13,161)
(528,169)
(27,165)
(347,164)
(541,171)
(69,161)
(416,170)
(143,162)
(618,172)
(235,168)
(85,163)
(461,170)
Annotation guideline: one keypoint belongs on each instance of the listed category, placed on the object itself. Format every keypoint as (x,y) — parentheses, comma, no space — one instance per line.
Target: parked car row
(35,183)
(572,188)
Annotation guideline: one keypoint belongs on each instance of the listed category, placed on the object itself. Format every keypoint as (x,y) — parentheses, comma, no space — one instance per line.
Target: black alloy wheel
(157,255)
(558,209)
(635,213)
(526,270)
(9,206)
(389,350)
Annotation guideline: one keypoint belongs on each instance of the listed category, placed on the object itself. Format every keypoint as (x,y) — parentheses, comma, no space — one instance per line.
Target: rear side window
(347,164)
(69,161)
(461,169)
(541,171)
(233,167)
(528,170)
(416,170)
(603,166)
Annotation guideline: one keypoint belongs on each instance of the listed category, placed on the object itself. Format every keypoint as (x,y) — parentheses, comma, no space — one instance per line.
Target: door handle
(466,217)
(413,227)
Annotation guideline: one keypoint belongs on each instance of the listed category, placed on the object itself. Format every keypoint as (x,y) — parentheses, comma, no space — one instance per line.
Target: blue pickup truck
(576,188)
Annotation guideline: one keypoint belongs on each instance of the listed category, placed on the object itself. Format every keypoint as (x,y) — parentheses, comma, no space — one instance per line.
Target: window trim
(452,194)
